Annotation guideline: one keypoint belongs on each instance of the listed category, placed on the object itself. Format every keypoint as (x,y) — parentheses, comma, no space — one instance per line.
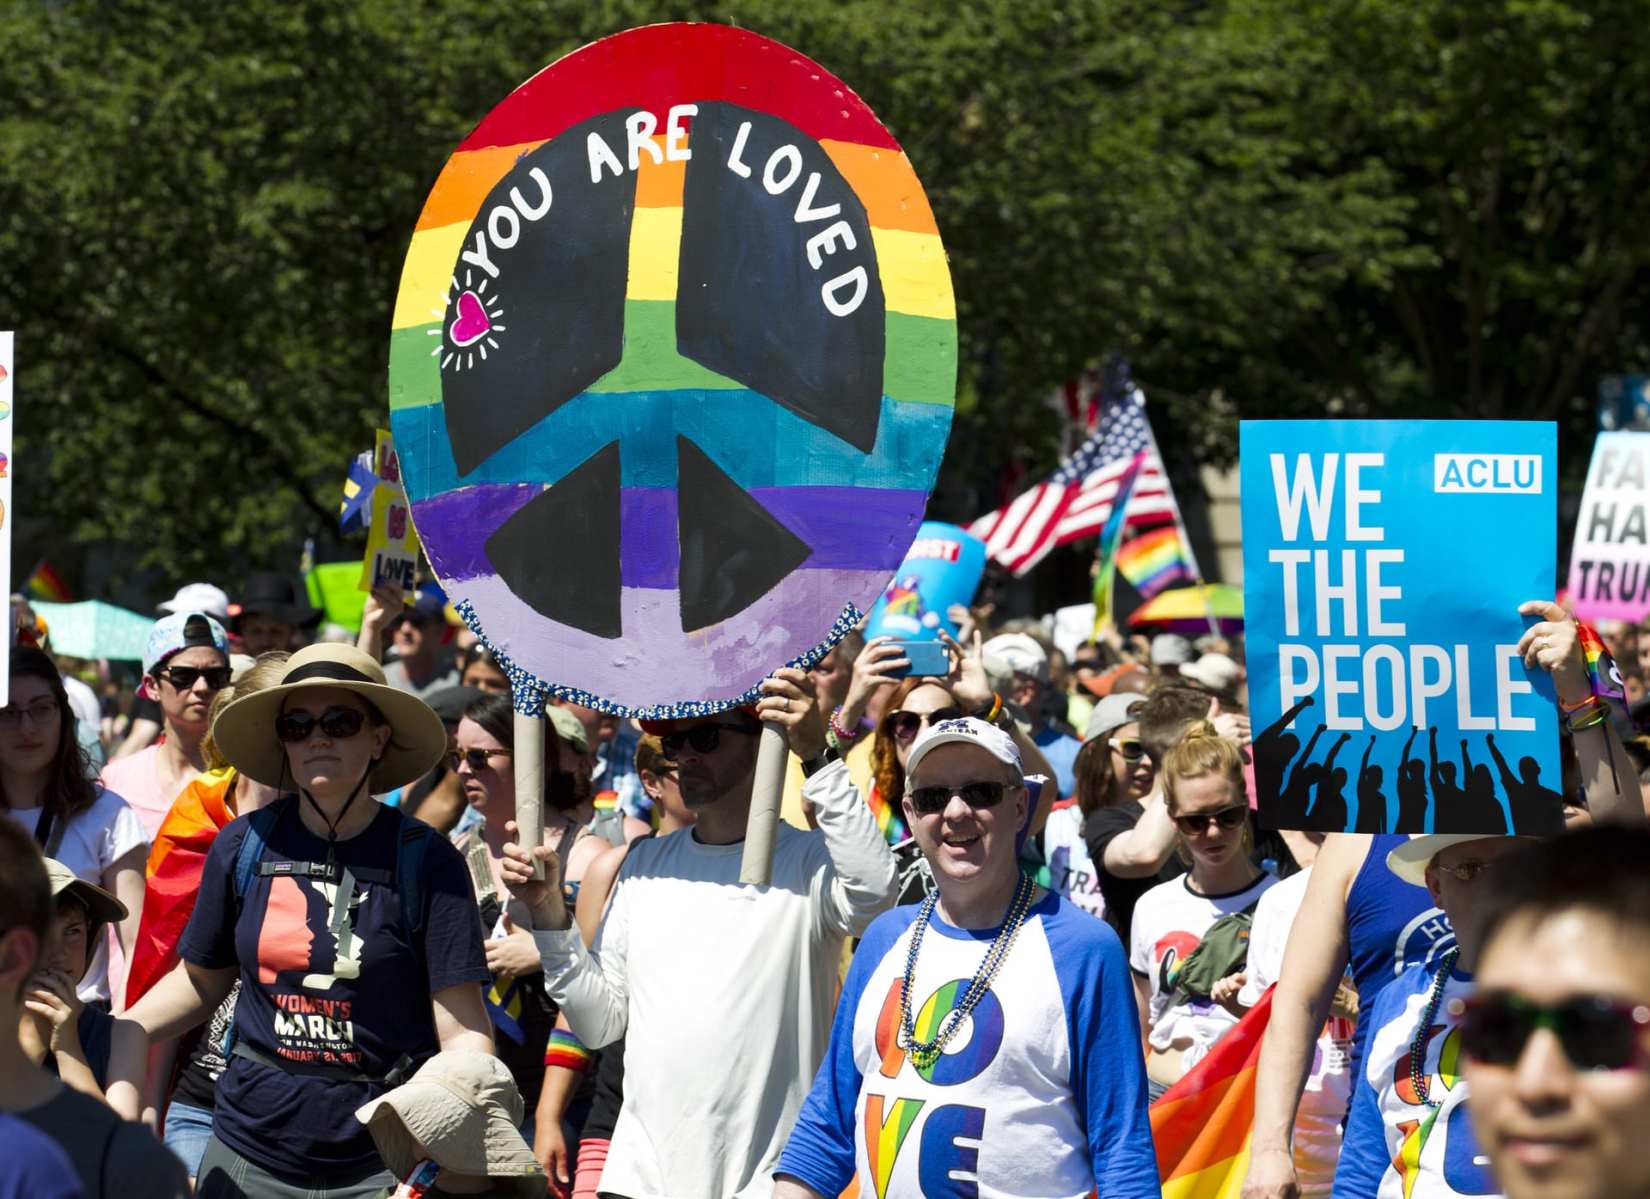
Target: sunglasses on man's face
(906,725)
(701,738)
(983,793)
(337,723)
(1226,818)
(1130,749)
(184,677)
(476,758)
(1596,1032)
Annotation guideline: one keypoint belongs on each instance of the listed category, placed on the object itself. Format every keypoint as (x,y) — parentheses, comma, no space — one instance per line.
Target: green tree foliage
(1274,207)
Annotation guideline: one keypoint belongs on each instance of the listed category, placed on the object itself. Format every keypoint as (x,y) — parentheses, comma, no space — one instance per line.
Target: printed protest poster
(8,367)
(942,568)
(1610,561)
(1384,563)
(392,545)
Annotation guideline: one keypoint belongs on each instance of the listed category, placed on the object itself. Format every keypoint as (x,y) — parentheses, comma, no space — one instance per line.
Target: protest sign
(1610,559)
(1384,563)
(942,568)
(392,544)
(8,369)
(672,368)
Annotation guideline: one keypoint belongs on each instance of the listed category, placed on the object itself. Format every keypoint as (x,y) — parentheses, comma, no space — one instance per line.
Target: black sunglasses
(1227,818)
(983,793)
(337,723)
(702,738)
(477,758)
(906,725)
(184,677)
(1597,1033)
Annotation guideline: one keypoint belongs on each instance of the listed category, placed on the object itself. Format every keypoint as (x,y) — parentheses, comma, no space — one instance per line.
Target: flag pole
(1180,529)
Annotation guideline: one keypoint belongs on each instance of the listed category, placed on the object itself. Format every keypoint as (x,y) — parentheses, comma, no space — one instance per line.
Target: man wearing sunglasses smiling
(1557,1039)
(1410,1131)
(987,1034)
(185,663)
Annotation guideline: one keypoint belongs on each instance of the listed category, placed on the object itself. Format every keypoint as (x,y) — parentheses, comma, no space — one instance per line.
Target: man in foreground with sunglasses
(1409,1132)
(722,991)
(987,1036)
(1557,1037)
(185,663)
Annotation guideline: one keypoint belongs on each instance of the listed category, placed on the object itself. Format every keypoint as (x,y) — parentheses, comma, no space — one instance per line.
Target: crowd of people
(267,929)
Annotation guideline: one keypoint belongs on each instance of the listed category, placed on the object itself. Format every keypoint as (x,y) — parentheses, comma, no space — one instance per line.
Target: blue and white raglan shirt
(1395,1146)
(1042,1092)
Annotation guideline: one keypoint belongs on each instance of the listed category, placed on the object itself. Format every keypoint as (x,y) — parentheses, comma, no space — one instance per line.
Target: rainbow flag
(1601,666)
(1111,533)
(46,584)
(1154,560)
(174,876)
(890,819)
(1202,1124)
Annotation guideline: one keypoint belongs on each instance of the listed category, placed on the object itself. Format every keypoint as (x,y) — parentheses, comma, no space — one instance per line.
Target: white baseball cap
(198,597)
(1215,671)
(1015,653)
(965,730)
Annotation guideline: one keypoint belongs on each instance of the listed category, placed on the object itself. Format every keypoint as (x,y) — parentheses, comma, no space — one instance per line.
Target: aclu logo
(1499,474)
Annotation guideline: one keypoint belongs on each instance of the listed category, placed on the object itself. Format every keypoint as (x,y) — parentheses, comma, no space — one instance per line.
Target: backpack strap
(260,825)
(410,852)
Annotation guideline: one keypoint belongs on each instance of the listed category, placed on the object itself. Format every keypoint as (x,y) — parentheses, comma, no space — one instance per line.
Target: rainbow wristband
(1595,713)
(567,1051)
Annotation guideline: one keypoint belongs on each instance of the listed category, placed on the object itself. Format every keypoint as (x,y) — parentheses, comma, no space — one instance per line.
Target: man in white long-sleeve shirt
(723,992)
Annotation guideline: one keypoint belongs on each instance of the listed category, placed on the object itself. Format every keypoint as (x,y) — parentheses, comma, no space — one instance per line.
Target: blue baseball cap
(181,631)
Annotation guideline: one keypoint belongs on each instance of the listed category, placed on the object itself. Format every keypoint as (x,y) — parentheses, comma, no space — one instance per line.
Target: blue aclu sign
(1383,564)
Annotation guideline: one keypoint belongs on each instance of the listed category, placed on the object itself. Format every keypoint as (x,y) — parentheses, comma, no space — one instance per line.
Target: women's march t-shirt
(330,976)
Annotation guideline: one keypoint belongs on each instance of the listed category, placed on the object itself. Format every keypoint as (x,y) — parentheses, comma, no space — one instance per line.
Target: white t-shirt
(1169,922)
(1071,871)
(91,843)
(724,993)
(1317,1140)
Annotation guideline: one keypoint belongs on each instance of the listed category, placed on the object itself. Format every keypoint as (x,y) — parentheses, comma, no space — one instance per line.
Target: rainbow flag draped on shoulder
(174,876)
(1202,1124)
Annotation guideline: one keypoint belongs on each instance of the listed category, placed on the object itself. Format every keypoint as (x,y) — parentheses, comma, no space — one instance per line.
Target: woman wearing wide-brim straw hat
(338,915)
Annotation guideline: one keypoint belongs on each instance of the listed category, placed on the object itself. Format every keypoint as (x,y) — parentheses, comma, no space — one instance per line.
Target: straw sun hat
(244,731)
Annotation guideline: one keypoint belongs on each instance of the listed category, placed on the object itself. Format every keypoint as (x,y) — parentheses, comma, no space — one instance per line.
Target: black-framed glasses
(38,714)
(1595,1031)
(185,677)
(1132,749)
(476,758)
(906,725)
(1226,818)
(338,723)
(701,738)
(982,793)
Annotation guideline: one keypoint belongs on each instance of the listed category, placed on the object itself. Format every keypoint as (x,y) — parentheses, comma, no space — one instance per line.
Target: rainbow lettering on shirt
(885,1134)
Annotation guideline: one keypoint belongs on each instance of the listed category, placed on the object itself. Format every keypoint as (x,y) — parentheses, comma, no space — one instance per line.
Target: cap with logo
(965,730)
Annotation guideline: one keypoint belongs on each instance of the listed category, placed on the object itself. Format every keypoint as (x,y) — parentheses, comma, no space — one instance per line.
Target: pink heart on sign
(472,322)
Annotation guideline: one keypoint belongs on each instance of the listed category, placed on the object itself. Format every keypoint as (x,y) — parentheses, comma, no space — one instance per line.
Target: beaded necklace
(925,1053)
(1418,1047)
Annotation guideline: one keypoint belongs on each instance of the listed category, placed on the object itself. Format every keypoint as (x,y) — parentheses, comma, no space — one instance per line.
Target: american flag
(1076,499)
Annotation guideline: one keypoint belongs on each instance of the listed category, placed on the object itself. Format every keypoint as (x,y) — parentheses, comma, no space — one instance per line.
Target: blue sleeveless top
(1390,926)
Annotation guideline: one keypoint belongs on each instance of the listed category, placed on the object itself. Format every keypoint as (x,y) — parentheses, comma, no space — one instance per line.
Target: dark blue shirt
(329,978)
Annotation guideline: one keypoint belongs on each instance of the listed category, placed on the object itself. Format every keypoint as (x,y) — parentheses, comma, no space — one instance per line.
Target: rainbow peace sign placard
(672,368)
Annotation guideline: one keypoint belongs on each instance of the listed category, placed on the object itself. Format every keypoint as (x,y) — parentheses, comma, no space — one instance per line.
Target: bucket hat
(463,1109)
(244,731)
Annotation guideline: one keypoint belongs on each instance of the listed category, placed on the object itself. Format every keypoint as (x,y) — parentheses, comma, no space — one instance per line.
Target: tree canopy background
(1272,207)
